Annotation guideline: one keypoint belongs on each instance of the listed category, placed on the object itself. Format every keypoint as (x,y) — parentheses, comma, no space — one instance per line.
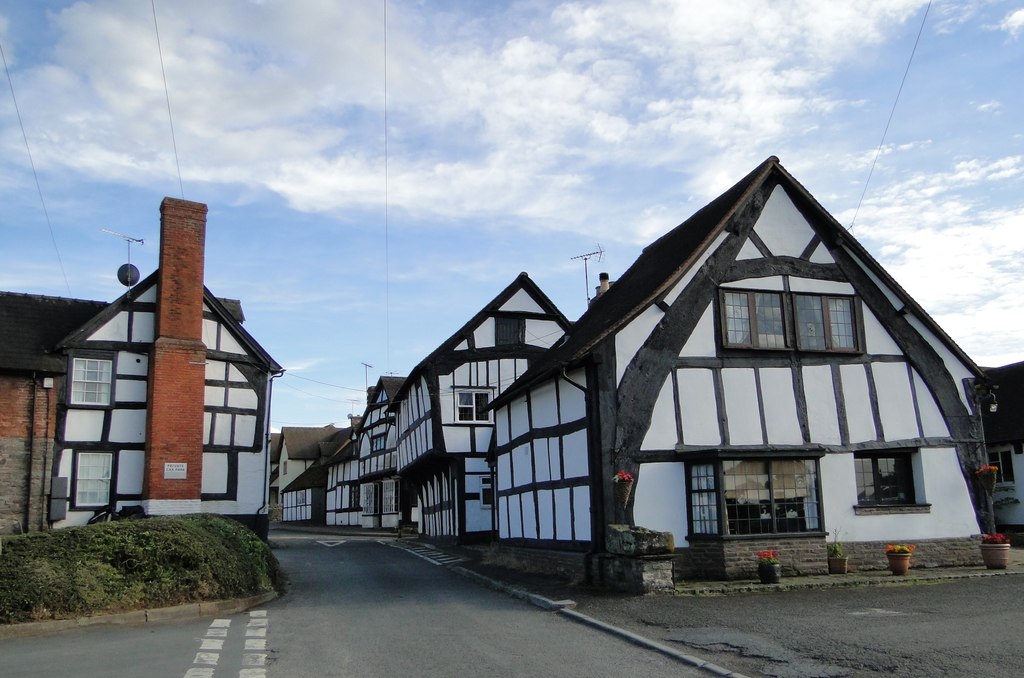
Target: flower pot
(623,488)
(899,563)
(769,573)
(837,564)
(995,556)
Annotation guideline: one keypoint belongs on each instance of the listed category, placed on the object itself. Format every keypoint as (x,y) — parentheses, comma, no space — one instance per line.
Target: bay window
(754,496)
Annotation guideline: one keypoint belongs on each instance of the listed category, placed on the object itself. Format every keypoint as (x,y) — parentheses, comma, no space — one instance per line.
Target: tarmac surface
(571,599)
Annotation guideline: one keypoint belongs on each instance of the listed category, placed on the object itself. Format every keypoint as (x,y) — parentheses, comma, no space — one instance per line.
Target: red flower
(998,538)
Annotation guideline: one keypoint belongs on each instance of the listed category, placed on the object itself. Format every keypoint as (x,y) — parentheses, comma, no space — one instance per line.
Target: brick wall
(22,446)
(174,426)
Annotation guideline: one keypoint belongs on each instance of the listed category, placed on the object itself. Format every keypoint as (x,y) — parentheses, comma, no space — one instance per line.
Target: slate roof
(31,326)
(665,260)
(1007,423)
(391,385)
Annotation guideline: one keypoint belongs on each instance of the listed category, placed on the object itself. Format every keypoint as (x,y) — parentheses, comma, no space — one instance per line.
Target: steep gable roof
(31,327)
(664,262)
(522,282)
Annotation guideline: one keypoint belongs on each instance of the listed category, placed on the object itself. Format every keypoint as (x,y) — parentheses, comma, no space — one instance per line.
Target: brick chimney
(177,373)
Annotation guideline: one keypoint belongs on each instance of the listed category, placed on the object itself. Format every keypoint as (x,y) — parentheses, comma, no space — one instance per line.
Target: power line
(35,175)
(324,383)
(167,95)
(878,151)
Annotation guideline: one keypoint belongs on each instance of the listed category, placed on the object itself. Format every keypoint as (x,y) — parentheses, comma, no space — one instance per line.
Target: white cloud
(1013,23)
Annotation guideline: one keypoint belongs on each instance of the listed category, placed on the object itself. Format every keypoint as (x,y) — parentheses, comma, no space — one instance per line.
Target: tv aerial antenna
(127,275)
(598,256)
(366,374)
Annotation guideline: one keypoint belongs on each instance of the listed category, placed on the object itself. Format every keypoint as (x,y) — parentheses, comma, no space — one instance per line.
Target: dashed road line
(251,662)
(427,553)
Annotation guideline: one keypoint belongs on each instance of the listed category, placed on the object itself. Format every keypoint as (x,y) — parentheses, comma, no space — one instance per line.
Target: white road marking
(211,644)
(427,553)
(255,643)
(256,633)
(216,633)
(254,659)
(199,673)
(207,658)
(331,543)
(252,673)
(220,623)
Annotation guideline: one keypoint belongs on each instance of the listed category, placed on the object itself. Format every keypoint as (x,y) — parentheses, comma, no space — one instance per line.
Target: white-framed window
(471,406)
(92,478)
(90,381)
(369,495)
(389,496)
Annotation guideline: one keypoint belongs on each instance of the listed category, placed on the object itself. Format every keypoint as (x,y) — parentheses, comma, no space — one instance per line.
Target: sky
(377,172)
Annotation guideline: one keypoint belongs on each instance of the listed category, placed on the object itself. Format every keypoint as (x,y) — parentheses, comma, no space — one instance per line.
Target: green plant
(132,564)
(835,550)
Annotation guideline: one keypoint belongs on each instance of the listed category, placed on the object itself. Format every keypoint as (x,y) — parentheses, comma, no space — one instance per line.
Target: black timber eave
(521,282)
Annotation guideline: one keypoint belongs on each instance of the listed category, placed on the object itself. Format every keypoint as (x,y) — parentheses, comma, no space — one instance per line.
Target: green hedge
(131,564)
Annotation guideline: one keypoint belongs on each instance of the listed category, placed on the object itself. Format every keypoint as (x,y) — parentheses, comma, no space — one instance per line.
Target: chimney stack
(177,373)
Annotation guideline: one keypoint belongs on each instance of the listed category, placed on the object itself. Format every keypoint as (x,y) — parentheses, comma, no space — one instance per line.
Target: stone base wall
(568,565)
(870,555)
(737,558)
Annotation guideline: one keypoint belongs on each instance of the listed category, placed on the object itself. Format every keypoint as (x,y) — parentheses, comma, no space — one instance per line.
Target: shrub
(132,564)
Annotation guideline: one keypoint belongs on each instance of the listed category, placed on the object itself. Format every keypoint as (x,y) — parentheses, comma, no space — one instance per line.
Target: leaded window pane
(703,499)
(840,316)
(737,318)
(810,323)
(771,332)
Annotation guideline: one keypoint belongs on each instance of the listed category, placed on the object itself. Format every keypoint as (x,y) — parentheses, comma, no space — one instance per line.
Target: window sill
(891,509)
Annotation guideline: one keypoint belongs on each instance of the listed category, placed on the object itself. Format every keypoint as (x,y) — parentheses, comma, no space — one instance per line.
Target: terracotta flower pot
(995,556)
(899,563)
(837,564)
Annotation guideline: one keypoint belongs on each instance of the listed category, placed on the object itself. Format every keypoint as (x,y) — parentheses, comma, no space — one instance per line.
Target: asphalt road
(368,609)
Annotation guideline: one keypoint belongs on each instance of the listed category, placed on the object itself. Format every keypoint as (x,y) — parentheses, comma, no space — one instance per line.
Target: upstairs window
(784,321)
(825,323)
(486,492)
(753,319)
(471,406)
(90,381)
(377,443)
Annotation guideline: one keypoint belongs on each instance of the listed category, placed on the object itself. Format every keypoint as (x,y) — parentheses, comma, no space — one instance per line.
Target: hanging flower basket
(623,487)
(987,477)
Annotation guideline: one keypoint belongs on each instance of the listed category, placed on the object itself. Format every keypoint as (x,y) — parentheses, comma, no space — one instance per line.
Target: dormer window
(90,381)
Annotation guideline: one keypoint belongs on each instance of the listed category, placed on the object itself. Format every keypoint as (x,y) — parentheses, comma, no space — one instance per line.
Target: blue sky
(519,135)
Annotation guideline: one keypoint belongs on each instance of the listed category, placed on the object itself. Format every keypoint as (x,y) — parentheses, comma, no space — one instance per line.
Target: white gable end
(781,226)
(521,302)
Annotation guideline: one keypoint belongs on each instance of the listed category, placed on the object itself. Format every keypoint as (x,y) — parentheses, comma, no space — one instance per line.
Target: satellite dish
(128,275)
